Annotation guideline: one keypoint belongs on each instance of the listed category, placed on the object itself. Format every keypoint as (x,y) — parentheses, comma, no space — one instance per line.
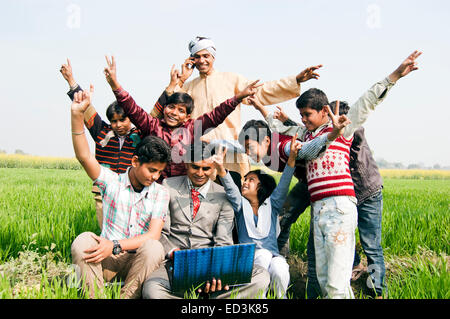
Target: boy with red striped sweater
(330,183)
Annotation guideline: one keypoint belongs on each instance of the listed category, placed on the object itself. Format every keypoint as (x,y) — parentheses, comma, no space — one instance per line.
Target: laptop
(233,265)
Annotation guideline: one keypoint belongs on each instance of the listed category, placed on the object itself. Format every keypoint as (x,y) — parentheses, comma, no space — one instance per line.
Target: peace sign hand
(407,66)
(296,145)
(249,91)
(66,71)
(308,74)
(218,160)
(339,122)
(111,73)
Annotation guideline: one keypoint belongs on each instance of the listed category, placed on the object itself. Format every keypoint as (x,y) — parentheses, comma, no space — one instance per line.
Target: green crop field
(43,210)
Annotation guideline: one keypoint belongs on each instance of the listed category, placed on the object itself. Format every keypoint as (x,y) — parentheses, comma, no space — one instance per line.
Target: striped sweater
(107,145)
(329,175)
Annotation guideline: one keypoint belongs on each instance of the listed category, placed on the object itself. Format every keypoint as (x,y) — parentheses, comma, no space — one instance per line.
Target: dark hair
(198,151)
(313,98)
(152,149)
(343,107)
(183,99)
(113,109)
(266,187)
(255,130)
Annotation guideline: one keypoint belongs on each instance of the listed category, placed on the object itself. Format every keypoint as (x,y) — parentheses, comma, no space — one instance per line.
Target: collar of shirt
(320,128)
(126,183)
(111,134)
(203,76)
(203,190)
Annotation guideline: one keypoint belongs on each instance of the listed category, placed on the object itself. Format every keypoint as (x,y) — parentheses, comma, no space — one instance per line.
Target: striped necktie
(195,201)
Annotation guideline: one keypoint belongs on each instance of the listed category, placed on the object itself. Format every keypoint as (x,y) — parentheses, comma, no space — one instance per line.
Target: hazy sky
(359,42)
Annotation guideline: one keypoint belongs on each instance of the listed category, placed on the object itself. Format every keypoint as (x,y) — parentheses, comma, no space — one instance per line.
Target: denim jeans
(334,222)
(369,226)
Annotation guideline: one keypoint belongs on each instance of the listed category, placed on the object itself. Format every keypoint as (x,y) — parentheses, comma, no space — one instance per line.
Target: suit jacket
(212,225)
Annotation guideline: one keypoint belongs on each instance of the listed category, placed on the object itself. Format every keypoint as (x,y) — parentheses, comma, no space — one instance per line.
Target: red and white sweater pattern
(329,175)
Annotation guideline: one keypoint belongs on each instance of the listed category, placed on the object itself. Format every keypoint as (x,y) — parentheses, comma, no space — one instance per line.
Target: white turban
(201,43)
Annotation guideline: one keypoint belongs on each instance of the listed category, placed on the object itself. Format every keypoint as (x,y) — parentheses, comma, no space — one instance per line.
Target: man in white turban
(212,87)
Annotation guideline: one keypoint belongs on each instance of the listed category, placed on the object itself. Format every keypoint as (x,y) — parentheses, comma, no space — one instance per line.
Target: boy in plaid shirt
(134,209)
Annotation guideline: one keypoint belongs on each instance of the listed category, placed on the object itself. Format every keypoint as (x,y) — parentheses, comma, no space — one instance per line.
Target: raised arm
(66,71)
(277,91)
(360,110)
(177,80)
(141,119)
(80,103)
(279,194)
(231,190)
(90,113)
(219,113)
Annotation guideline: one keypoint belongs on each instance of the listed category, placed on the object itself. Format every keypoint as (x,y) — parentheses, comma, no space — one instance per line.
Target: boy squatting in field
(128,246)
(176,127)
(332,197)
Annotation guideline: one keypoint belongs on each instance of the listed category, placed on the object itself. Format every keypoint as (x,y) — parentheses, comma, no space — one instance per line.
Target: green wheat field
(44,205)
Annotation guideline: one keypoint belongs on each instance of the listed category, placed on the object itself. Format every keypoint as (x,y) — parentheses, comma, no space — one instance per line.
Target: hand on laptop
(213,286)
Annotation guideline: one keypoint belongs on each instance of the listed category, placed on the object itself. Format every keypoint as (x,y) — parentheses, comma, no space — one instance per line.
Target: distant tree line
(382,163)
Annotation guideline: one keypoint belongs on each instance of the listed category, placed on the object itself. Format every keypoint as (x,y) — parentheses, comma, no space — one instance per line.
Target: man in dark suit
(200,216)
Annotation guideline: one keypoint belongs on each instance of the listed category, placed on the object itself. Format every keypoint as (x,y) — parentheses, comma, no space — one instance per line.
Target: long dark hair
(266,187)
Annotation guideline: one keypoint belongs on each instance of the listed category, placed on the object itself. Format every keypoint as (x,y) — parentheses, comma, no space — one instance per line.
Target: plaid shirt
(126,213)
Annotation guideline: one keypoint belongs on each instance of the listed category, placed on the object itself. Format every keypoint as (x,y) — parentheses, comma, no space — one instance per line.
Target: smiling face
(120,124)
(250,186)
(204,61)
(312,118)
(199,172)
(175,114)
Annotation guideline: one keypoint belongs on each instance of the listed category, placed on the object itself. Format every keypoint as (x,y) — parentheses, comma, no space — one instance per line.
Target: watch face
(116,249)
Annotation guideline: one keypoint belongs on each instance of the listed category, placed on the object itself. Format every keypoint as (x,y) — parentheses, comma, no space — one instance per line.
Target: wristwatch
(117,249)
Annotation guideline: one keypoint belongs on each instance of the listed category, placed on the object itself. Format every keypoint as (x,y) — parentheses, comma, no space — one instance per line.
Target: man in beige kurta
(212,87)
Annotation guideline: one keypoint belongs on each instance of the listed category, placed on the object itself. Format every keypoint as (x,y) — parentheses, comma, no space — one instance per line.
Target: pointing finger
(107,61)
(336,108)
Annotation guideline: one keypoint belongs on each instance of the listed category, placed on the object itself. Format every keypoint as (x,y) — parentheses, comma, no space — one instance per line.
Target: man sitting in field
(134,209)
(200,216)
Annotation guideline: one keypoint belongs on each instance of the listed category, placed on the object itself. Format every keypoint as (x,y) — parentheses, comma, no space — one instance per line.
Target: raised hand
(280,115)
(218,160)
(407,66)
(249,91)
(339,122)
(66,71)
(296,145)
(174,78)
(308,74)
(111,73)
(82,100)
(258,106)
(186,69)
